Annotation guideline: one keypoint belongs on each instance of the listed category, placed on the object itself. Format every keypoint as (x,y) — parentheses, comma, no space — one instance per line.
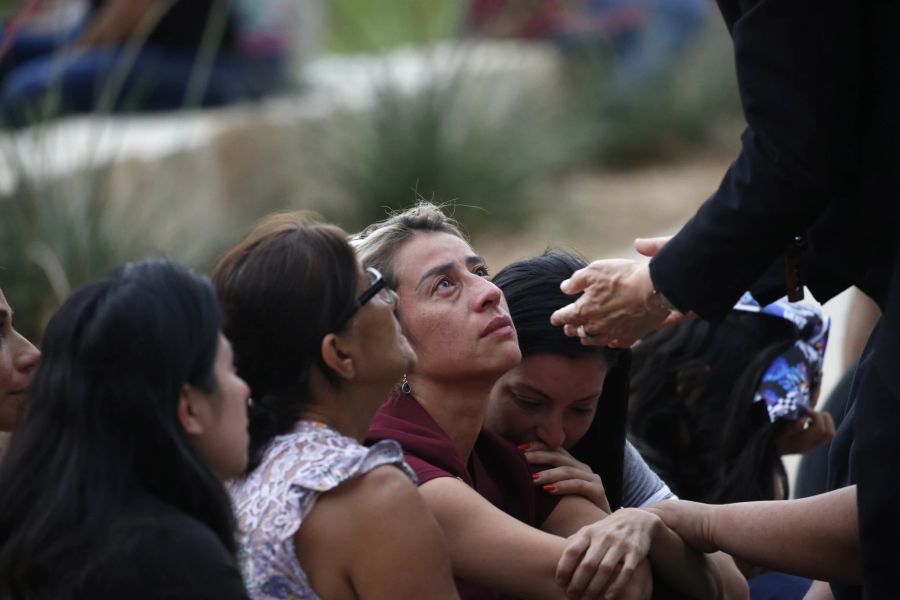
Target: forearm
(491,548)
(682,567)
(816,537)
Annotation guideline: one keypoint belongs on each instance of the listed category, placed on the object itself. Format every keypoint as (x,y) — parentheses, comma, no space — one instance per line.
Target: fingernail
(535,475)
(524,446)
(550,487)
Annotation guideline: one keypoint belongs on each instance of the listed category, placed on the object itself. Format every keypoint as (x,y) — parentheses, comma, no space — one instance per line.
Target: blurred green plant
(60,231)
(365,26)
(57,234)
(54,239)
(661,119)
(450,140)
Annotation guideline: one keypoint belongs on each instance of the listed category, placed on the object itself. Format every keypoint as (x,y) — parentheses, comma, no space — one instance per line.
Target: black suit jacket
(820,87)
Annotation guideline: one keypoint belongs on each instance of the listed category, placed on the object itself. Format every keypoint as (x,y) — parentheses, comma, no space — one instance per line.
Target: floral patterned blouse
(272,501)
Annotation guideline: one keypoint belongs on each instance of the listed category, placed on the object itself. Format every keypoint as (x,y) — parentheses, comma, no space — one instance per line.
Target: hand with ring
(619,304)
(582,332)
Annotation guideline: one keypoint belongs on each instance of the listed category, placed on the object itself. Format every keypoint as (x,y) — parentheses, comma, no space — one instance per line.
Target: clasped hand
(609,557)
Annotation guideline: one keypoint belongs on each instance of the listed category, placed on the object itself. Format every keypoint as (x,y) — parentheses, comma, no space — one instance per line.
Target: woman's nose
(552,433)
(487,294)
(27,356)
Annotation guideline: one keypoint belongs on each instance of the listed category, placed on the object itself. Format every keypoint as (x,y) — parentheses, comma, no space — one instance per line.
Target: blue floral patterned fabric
(792,377)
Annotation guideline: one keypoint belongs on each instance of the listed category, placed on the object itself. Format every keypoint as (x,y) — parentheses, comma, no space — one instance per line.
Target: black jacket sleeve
(798,65)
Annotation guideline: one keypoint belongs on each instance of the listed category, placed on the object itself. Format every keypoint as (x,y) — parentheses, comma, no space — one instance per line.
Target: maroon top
(495,469)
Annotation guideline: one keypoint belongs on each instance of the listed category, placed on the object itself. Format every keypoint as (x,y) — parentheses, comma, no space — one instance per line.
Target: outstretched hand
(650,246)
(618,306)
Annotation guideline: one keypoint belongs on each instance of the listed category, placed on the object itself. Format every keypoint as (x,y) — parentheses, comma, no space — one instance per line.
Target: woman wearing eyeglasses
(316,338)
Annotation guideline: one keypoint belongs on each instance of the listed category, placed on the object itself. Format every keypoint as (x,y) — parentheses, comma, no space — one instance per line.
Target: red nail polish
(535,475)
(550,487)
(524,446)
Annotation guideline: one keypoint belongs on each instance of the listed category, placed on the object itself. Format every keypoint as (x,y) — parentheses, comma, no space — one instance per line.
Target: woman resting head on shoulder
(474,481)
(317,339)
(112,486)
(565,404)
(18,360)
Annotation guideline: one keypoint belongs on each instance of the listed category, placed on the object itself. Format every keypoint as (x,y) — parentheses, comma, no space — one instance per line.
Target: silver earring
(404,385)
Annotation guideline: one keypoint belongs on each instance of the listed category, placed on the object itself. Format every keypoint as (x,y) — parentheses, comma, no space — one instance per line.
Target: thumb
(576,283)
(650,246)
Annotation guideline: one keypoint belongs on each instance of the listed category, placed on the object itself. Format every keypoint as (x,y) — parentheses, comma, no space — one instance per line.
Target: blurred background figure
(120,55)
(641,37)
(713,408)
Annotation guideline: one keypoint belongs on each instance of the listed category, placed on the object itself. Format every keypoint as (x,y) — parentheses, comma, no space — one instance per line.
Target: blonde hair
(378,244)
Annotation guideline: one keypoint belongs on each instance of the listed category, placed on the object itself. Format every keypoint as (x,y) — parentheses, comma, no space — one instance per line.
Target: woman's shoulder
(427,448)
(310,460)
(156,551)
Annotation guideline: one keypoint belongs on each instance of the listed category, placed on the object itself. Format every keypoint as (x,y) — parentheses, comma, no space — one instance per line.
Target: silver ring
(582,332)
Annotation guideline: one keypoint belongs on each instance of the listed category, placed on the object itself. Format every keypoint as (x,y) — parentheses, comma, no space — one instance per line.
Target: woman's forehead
(432,250)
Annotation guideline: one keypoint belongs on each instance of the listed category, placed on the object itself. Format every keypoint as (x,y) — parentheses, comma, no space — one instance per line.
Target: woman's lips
(498,327)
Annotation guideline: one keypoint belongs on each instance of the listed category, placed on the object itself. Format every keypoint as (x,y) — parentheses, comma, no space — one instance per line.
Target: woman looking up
(476,483)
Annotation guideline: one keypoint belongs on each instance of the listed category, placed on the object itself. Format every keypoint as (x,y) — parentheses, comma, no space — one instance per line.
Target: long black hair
(286,285)
(692,414)
(102,430)
(531,288)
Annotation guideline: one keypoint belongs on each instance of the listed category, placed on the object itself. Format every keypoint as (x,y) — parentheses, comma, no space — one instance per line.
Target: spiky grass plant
(454,137)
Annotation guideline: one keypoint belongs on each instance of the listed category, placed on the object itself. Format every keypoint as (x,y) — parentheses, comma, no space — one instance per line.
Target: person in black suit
(808,201)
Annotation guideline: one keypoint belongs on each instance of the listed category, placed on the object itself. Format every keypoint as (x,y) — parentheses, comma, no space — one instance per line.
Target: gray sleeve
(640,485)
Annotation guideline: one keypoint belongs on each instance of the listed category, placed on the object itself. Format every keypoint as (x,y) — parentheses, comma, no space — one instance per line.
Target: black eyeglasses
(377,287)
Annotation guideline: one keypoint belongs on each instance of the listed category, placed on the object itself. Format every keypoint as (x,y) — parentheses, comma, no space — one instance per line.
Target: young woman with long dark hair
(112,486)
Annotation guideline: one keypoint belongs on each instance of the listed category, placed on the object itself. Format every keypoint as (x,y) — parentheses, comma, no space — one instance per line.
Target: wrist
(655,301)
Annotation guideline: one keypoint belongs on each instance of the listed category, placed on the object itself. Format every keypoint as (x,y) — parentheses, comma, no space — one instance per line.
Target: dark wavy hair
(692,413)
(286,285)
(101,428)
(531,288)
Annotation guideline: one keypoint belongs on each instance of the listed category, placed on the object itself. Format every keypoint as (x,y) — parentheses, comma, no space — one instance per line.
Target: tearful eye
(443,283)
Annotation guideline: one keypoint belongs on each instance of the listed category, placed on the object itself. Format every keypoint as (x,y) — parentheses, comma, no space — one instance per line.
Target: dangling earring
(404,385)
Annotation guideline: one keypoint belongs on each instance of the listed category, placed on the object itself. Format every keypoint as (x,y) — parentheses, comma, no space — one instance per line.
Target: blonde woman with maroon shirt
(474,482)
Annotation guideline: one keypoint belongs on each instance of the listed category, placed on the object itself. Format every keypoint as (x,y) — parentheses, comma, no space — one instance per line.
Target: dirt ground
(600,213)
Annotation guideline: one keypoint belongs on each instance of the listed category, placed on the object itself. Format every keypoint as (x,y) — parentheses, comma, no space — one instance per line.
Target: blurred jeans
(42,76)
